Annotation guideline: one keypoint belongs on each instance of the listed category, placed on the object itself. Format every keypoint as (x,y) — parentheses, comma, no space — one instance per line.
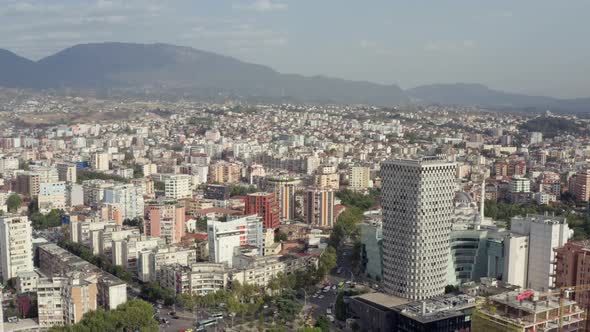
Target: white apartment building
(52,196)
(16,246)
(545,234)
(536,138)
(149,169)
(150,263)
(46,174)
(359,178)
(197,279)
(225,237)
(128,198)
(178,186)
(418,209)
(516,259)
(100,161)
(81,231)
(520,185)
(1,308)
(74,195)
(125,251)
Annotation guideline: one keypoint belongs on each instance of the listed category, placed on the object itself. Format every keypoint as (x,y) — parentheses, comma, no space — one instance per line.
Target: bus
(217,315)
(206,323)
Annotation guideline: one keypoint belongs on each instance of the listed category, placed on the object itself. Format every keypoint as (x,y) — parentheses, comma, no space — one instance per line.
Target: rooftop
(384,300)
(529,305)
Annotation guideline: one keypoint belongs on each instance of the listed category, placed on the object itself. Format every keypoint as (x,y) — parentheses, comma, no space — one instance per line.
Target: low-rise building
(380,312)
(513,311)
(56,261)
(196,279)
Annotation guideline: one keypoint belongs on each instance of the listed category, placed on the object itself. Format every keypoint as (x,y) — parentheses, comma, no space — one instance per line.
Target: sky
(537,47)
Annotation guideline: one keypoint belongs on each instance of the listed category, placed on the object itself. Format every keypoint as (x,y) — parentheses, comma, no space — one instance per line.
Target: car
(175,317)
(320,297)
(314,295)
(159,306)
(328,311)
(331,318)
(172,313)
(334,287)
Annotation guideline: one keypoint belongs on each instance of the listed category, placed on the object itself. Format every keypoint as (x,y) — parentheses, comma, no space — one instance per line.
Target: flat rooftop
(388,301)
(528,305)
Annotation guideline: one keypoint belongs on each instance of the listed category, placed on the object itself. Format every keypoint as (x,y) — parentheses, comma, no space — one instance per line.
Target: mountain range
(168,70)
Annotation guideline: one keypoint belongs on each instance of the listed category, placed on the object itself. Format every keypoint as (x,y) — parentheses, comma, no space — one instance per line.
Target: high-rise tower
(417,212)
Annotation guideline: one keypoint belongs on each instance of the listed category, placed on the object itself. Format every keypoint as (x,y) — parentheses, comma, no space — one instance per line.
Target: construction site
(530,311)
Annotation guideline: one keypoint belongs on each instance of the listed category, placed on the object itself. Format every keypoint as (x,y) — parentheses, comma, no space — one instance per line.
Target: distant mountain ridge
(163,69)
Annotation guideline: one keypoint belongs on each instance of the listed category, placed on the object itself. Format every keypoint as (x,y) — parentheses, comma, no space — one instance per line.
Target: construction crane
(563,293)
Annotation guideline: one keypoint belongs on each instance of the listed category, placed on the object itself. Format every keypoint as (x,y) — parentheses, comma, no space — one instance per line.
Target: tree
(42,221)
(280,237)
(159,185)
(328,260)
(355,199)
(154,292)
(13,202)
(451,289)
(323,323)
(135,222)
(135,315)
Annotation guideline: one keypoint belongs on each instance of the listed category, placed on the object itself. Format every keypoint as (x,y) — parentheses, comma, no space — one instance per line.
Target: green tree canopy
(135,315)
(13,202)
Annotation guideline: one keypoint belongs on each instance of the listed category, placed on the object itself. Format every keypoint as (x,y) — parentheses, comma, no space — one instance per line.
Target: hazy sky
(531,46)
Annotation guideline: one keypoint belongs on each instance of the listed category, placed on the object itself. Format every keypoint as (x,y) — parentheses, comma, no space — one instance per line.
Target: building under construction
(528,312)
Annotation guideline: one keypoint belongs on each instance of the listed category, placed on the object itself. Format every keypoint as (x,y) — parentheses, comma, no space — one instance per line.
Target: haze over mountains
(162,69)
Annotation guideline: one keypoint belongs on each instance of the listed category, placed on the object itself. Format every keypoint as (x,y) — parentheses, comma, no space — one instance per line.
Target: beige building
(582,186)
(150,263)
(225,172)
(125,252)
(56,261)
(178,186)
(65,300)
(196,279)
(319,207)
(100,161)
(359,178)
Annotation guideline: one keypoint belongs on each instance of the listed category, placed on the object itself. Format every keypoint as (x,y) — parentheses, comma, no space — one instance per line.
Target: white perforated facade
(417,212)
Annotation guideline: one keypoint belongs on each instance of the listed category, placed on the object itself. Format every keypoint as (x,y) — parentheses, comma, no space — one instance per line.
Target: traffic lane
(321,304)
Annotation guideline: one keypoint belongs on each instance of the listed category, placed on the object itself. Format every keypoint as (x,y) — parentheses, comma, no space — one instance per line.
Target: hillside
(551,126)
(168,69)
(162,70)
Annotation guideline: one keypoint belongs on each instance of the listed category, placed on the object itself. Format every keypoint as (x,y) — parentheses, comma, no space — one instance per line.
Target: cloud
(494,15)
(234,36)
(376,48)
(445,46)
(262,6)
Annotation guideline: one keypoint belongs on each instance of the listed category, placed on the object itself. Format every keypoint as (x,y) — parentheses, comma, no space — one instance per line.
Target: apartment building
(196,279)
(16,247)
(166,221)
